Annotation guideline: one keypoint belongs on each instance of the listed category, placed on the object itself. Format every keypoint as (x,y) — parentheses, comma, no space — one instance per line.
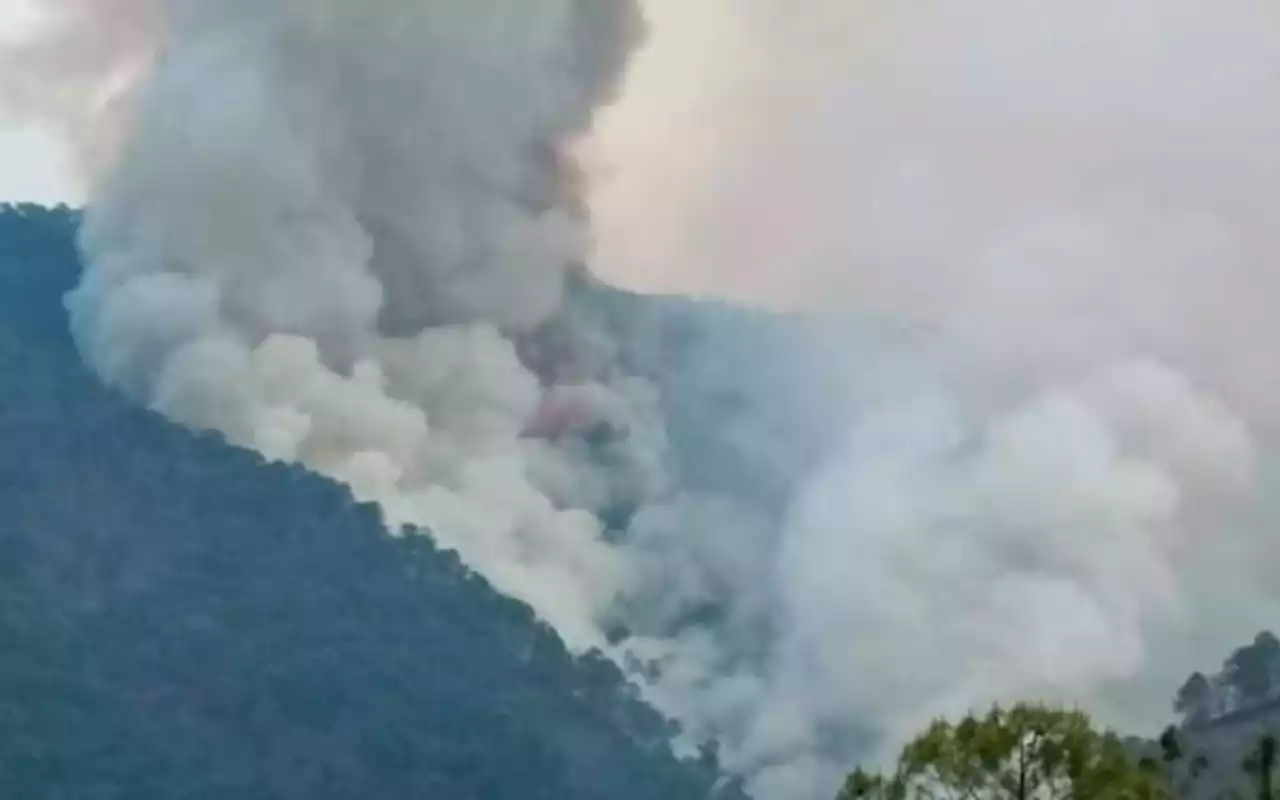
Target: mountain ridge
(190,621)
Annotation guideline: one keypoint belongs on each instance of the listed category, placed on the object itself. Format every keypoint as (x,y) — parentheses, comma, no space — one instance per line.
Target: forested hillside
(180,619)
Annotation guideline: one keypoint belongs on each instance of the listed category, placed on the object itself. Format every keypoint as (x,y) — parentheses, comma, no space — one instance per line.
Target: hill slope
(182,620)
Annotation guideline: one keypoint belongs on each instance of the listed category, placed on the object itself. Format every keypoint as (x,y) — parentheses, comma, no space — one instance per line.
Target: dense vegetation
(179,619)
(1037,752)
(1028,752)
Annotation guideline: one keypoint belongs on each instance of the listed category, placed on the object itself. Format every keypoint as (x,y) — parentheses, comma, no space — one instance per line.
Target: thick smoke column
(339,233)
(326,224)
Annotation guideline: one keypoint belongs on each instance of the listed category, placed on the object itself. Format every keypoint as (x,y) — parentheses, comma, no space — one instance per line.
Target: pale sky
(33,166)
(33,162)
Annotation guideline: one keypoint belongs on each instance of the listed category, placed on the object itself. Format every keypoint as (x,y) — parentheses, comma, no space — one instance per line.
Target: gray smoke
(1071,204)
(321,233)
(340,234)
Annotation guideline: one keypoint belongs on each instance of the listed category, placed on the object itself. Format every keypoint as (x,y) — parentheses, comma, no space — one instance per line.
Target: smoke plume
(1021,459)
(1070,206)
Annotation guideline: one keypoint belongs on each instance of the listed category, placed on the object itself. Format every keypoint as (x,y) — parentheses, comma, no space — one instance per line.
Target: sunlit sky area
(33,166)
(33,162)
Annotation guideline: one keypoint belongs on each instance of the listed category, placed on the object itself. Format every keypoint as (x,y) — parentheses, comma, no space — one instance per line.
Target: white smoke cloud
(1072,204)
(948,554)
(339,233)
(322,230)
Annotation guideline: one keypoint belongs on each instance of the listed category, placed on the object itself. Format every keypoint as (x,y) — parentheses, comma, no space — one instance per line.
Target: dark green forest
(180,619)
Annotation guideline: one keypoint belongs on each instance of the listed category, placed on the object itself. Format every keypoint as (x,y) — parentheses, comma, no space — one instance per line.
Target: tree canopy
(1027,752)
(1248,681)
(1195,700)
(1252,669)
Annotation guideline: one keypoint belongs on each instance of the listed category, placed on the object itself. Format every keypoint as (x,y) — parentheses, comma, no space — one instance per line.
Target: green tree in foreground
(1027,752)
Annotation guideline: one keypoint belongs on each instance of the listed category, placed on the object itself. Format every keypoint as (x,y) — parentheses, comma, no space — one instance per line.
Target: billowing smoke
(1071,204)
(321,235)
(341,234)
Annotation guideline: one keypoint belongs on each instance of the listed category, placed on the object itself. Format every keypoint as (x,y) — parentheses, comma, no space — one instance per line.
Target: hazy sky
(33,166)
(32,161)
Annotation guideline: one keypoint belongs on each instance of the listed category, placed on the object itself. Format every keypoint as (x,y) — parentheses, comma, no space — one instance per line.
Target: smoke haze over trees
(1031,458)
(1249,679)
(182,620)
